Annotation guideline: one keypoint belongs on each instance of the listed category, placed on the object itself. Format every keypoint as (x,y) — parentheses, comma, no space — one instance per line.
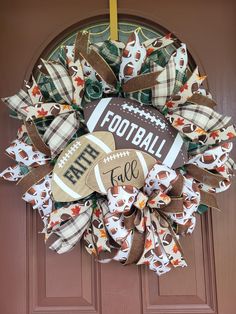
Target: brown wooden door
(36,280)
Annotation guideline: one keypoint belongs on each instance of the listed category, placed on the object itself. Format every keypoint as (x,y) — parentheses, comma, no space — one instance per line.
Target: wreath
(120,146)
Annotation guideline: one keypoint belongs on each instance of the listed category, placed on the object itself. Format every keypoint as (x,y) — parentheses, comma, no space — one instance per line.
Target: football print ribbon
(129,225)
(145,223)
(131,60)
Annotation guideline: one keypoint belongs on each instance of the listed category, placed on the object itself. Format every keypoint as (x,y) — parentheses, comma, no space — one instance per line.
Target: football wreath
(120,147)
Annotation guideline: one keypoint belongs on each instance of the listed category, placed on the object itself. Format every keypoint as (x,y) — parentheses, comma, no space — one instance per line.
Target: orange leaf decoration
(214,134)
(97,212)
(175,248)
(66,107)
(200,131)
(175,262)
(182,88)
(179,122)
(170,104)
(103,234)
(75,210)
(142,204)
(148,244)
(42,112)
(36,91)
(220,169)
(79,81)
(149,51)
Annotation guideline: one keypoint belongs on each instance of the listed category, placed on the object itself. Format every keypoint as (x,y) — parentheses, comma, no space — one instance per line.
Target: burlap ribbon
(140,226)
(130,79)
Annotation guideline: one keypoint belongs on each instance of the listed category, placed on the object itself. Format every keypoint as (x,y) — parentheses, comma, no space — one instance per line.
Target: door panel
(75,282)
(36,280)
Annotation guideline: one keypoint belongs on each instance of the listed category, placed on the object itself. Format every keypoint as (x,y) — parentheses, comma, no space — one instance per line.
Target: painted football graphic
(137,126)
(72,166)
(120,167)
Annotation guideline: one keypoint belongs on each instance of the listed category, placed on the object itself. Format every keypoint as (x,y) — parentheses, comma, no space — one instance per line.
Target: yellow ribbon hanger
(113,20)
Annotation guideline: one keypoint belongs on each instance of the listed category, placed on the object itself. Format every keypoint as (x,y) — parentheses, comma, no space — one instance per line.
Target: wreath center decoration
(120,147)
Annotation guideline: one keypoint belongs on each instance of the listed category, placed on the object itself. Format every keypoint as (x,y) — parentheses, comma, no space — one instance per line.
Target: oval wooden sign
(120,167)
(71,169)
(137,126)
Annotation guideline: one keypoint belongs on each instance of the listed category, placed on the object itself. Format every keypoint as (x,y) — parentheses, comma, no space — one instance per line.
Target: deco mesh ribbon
(130,225)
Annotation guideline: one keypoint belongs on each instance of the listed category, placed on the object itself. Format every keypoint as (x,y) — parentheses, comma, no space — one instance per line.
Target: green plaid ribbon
(162,56)
(112,54)
(48,89)
(180,80)
(62,56)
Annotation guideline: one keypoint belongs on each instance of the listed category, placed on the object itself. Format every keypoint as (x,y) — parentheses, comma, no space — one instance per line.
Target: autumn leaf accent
(42,112)
(220,169)
(230,135)
(214,134)
(170,104)
(65,107)
(201,78)
(97,212)
(142,204)
(179,122)
(148,244)
(200,131)
(161,231)
(183,87)
(103,234)
(149,51)
(175,248)
(175,262)
(79,81)
(36,91)
(76,210)
(151,202)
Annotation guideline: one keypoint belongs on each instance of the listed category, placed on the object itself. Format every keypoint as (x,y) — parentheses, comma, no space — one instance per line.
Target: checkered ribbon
(165,83)
(49,90)
(186,91)
(71,232)
(74,221)
(204,117)
(162,56)
(61,80)
(60,132)
(19,102)
(111,52)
